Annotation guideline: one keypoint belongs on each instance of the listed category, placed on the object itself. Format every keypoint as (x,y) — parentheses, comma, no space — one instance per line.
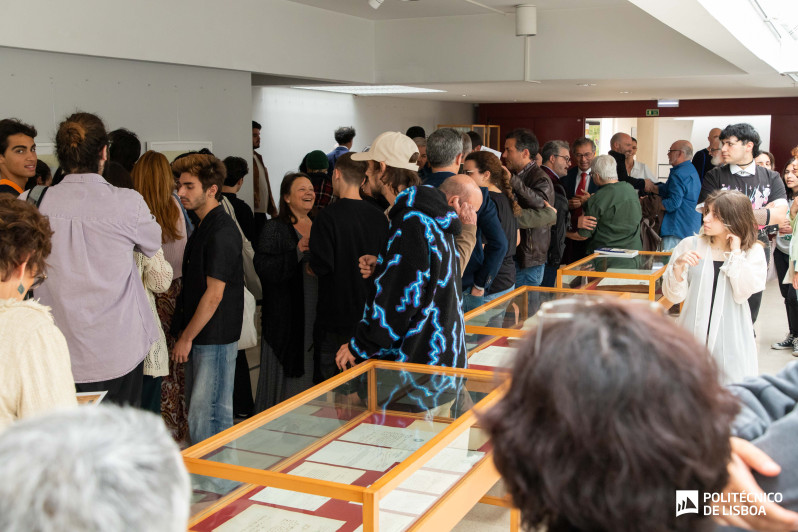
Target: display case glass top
(381,443)
(641,274)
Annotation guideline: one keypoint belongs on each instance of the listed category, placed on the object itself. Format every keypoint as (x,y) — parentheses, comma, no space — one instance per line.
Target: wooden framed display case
(494,330)
(641,276)
(383,446)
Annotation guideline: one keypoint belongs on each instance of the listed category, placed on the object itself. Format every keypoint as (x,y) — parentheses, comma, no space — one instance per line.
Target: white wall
(702,125)
(296,121)
(157,101)
(268,36)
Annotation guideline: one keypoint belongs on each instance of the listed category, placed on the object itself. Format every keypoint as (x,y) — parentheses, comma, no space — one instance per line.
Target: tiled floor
(771,327)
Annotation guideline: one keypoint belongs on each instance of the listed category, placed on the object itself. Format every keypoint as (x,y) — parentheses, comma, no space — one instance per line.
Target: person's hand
(784,228)
(734,242)
(691,258)
(344,357)
(573,235)
(304,244)
(746,456)
(477,292)
(574,203)
(651,187)
(181,350)
(795,281)
(465,212)
(587,222)
(367,263)
(347,406)
(548,206)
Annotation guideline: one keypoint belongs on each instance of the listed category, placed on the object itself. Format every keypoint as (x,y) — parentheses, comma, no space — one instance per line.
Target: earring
(21,289)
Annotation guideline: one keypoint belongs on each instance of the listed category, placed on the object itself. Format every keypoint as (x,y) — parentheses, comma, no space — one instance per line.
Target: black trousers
(755,301)
(243,404)
(781,262)
(124,390)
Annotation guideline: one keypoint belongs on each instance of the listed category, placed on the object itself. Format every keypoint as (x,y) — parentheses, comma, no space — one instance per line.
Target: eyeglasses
(38,280)
(584,155)
(567,159)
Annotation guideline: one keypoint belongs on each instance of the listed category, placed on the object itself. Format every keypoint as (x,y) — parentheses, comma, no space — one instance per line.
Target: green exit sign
(652,112)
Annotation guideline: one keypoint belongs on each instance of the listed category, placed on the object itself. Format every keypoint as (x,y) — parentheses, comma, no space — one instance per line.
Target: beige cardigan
(35,371)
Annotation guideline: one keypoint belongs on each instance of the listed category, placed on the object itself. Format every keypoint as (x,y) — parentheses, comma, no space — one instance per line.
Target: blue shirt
(680,197)
(436,179)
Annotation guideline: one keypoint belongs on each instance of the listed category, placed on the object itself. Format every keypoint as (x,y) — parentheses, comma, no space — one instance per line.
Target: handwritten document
(355,455)
(306,501)
(396,437)
(494,356)
(266,519)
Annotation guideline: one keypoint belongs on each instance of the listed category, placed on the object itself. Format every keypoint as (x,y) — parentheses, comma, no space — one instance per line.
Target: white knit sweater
(35,371)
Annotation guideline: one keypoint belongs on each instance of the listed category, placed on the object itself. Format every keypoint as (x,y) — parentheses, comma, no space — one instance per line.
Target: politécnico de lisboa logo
(686,502)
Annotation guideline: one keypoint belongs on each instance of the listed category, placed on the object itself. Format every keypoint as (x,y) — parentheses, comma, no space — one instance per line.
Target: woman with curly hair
(35,373)
(487,172)
(601,423)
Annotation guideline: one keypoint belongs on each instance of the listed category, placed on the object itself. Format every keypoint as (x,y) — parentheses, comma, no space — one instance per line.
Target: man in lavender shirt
(93,285)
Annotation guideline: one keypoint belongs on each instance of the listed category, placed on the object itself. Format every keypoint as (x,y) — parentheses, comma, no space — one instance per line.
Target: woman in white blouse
(35,372)
(715,273)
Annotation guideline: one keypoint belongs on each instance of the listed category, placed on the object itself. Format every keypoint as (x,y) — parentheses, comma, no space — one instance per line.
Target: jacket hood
(429,201)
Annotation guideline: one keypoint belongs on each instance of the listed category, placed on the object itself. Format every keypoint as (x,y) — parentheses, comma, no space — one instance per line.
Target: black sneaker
(787,343)
(795,347)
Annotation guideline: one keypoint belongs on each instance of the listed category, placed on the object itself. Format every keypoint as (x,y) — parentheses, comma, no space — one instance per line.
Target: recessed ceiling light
(625,92)
(368,90)
(464,95)
(585,84)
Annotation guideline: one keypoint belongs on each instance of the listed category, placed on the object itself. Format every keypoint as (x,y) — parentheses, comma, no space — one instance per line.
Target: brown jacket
(271,210)
(532,187)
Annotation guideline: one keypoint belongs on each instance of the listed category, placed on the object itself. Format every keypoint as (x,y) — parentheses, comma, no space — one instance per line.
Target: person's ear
(104,153)
(240,182)
(212,191)
(459,159)
(452,200)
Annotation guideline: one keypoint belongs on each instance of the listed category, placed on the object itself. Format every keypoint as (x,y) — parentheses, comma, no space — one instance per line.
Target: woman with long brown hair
(714,273)
(152,178)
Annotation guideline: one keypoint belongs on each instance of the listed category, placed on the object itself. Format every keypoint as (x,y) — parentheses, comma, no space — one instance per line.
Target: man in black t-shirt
(208,315)
(343,232)
(765,189)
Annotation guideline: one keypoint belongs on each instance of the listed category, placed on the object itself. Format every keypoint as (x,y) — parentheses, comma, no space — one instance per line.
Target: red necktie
(580,189)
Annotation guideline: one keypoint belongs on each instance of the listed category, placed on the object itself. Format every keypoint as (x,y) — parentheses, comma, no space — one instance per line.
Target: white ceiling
(670,49)
(399,9)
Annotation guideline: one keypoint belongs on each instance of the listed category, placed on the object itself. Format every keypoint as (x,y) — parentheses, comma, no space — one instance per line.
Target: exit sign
(652,112)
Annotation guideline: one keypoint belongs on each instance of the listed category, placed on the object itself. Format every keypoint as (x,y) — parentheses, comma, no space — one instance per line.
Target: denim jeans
(669,242)
(491,297)
(531,276)
(210,374)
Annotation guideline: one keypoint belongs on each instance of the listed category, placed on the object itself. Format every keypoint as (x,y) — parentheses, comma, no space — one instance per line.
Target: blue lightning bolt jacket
(416,313)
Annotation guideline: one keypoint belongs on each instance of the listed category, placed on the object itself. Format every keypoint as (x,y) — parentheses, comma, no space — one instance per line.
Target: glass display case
(640,276)
(383,446)
(495,329)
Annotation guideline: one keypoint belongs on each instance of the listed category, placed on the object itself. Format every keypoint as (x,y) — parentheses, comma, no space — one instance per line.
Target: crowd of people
(130,274)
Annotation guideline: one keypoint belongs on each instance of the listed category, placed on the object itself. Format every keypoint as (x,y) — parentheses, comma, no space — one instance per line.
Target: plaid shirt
(322,186)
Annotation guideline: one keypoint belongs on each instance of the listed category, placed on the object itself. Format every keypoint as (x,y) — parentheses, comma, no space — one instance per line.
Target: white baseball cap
(392,148)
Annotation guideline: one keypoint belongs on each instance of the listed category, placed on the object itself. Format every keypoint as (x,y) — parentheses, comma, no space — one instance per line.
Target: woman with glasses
(784,260)
(35,373)
(603,422)
(715,273)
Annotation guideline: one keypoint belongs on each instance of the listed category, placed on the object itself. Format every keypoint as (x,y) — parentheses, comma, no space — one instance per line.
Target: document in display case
(495,330)
(383,446)
(641,276)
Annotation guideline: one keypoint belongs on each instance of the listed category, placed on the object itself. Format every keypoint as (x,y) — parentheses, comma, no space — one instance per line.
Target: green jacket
(616,208)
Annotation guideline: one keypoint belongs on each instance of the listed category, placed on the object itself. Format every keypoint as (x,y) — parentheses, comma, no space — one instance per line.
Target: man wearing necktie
(578,186)
(739,145)
(264,202)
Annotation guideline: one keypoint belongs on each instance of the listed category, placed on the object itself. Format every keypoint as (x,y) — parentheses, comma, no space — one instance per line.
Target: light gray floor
(771,327)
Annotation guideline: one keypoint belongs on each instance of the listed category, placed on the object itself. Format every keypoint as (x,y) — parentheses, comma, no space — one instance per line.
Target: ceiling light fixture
(625,92)
(668,103)
(585,84)
(792,75)
(368,90)
(375,4)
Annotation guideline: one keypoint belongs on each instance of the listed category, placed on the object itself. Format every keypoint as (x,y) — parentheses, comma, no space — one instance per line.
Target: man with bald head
(622,145)
(680,196)
(491,242)
(707,159)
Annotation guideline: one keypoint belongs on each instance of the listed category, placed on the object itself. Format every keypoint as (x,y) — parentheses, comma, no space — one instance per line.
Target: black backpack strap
(36,195)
